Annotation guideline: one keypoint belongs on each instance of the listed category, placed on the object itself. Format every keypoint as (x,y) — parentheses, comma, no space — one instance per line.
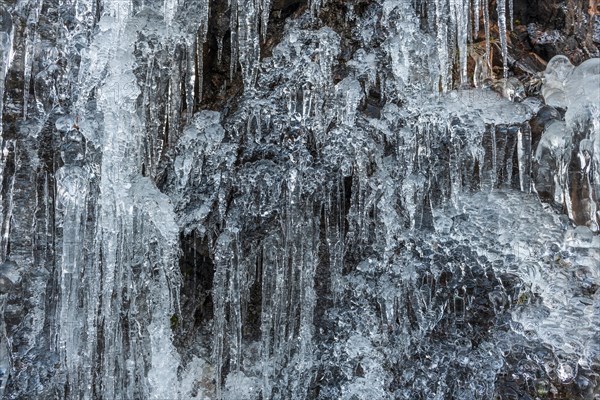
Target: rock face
(570,28)
(299,199)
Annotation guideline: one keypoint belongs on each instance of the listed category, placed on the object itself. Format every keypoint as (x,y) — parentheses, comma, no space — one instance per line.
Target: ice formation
(360,221)
(571,146)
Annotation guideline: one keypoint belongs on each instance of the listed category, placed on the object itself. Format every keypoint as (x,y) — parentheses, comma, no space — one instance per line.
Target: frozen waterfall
(292,199)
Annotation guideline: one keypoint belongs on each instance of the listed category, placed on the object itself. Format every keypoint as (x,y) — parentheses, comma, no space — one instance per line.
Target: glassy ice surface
(363,219)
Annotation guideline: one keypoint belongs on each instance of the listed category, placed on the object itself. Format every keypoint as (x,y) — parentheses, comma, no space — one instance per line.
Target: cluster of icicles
(456,23)
(139,207)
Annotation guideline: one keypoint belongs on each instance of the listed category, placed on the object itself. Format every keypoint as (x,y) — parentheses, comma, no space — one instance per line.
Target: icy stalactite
(196,53)
(315,6)
(442,43)
(131,273)
(233,29)
(265,11)
(30,47)
(486,28)
(249,21)
(6,51)
(73,188)
(511,13)
(351,94)
(169,10)
(158,242)
(457,25)
(501,10)
(284,267)
(294,298)
(462,25)
(476,16)
(335,233)
(248,40)
(190,81)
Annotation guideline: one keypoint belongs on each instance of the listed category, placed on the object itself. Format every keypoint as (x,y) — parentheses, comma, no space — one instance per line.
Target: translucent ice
(355,222)
(558,71)
(576,90)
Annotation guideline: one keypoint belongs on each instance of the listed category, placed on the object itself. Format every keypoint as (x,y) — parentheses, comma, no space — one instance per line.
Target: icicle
(235,305)
(265,7)
(307,299)
(460,12)
(315,7)
(219,50)
(336,241)
(233,28)
(72,189)
(6,53)
(169,9)
(200,41)
(4,219)
(9,153)
(248,41)
(200,66)
(266,318)
(511,13)
(31,42)
(307,96)
(351,94)
(442,43)
(476,12)
(486,27)
(219,323)
(291,100)
(501,8)
(191,77)
(5,363)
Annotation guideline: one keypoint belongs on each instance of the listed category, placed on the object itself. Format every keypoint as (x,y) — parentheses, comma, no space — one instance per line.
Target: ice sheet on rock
(350,94)
(511,88)
(552,155)
(581,92)
(239,386)
(557,73)
(487,105)
(537,262)
(200,138)
(365,65)
(196,380)
(202,158)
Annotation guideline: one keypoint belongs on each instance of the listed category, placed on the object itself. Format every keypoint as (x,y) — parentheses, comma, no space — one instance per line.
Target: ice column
(501,9)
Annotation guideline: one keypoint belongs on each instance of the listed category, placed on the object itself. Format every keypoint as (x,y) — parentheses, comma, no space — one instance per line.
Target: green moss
(174,321)
(523,298)
(542,388)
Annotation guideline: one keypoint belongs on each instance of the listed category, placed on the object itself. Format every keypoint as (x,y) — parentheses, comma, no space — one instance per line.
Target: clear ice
(366,224)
